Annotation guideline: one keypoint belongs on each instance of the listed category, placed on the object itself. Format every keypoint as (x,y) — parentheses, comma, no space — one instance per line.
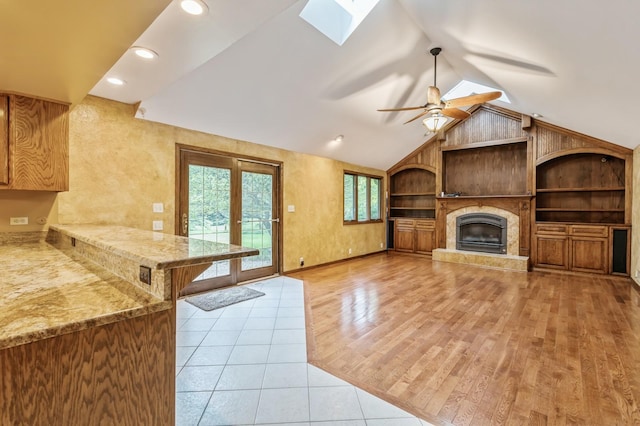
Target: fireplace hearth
(481,232)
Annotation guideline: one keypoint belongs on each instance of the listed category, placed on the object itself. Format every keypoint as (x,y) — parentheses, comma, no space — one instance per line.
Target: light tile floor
(246,364)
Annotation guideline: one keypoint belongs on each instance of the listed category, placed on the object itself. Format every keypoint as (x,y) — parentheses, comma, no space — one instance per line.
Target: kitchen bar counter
(153,249)
(45,292)
(88,275)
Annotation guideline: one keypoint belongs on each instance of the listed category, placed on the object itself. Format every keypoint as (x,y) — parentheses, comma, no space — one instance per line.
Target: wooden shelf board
(545,209)
(593,189)
(413,208)
(412,194)
(525,196)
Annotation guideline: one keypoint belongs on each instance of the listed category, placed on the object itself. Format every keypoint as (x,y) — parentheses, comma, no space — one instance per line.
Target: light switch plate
(291,208)
(158,225)
(158,207)
(19,220)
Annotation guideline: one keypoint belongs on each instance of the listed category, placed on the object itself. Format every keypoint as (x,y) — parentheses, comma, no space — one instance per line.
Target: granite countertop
(46,292)
(154,249)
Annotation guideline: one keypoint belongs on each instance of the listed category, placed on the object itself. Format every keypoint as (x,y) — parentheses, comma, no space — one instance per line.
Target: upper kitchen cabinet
(34,144)
(4,140)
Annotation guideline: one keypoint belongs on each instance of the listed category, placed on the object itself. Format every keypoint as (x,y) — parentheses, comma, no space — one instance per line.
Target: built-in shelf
(412,194)
(581,188)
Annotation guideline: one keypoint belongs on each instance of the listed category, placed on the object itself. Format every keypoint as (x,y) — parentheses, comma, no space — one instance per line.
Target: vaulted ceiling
(254,70)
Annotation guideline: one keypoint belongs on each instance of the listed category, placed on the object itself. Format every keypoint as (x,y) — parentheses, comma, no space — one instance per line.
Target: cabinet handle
(185,224)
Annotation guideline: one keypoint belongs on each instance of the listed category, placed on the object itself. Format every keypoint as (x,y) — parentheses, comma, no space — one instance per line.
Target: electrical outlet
(19,220)
(157,225)
(158,207)
(145,274)
(637,273)
(349,250)
(381,245)
(42,220)
(302,261)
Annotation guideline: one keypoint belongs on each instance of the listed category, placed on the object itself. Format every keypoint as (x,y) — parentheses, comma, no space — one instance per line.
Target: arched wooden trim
(414,166)
(582,150)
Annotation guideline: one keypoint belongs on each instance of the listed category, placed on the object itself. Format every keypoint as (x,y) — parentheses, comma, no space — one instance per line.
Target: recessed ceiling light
(144,53)
(536,115)
(116,81)
(339,138)
(194,7)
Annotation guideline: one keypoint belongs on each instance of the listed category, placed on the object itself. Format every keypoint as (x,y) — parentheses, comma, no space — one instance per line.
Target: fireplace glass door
(481,232)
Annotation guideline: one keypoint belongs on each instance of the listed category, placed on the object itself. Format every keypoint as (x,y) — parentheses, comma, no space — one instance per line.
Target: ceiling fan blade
(401,109)
(455,113)
(433,95)
(417,116)
(472,99)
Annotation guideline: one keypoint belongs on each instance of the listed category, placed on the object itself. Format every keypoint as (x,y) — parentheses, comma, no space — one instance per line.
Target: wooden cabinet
(425,234)
(38,145)
(574,247)
(552,251)
(414,236)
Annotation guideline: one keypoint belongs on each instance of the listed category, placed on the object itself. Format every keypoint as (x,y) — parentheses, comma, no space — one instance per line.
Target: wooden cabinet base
(119,374)
(415,235)
(582,248)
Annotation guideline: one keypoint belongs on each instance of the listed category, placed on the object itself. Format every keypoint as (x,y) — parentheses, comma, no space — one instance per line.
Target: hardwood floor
(466,345)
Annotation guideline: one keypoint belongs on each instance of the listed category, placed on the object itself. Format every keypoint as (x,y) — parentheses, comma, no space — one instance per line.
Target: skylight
(337,19)
(466,88)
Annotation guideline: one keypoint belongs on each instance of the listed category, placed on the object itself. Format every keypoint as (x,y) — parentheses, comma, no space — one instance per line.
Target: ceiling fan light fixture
(194,7)
(434,122)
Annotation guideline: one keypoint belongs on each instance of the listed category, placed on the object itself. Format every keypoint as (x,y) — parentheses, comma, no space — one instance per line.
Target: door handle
(185,224)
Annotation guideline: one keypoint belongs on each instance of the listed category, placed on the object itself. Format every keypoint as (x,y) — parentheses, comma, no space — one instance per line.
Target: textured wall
(120,165)
(635,216)
(35,205)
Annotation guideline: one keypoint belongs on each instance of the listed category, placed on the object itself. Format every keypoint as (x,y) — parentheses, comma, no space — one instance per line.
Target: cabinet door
(404,236)
(40,145)
(425,236)
(589,255)
(552,251)
(4,140)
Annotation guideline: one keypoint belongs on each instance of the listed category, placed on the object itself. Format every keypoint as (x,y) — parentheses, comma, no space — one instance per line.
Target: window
(466,88)
(362,198)
(337,19)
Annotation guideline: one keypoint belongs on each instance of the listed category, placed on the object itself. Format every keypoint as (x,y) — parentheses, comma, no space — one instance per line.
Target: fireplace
(481,232)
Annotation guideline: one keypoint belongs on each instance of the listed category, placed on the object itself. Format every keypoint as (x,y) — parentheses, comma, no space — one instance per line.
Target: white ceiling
(254,70)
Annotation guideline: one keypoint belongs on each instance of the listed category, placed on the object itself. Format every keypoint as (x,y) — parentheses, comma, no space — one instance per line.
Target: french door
(232,201)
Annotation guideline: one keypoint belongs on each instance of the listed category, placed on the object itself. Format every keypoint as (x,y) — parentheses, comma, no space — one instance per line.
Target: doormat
(220,298)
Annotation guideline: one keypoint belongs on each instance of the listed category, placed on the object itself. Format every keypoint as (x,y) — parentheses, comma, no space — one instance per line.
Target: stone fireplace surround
(516,210)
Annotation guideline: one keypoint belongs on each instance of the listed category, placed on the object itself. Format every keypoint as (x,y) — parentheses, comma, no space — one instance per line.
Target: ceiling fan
(436,108)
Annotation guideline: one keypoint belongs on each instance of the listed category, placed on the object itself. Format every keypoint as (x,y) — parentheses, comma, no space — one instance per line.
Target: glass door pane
(257,218)
(210,211)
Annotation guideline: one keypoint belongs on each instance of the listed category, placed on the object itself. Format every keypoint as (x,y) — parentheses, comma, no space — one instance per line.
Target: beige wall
(635,216)
(39,207)
(120,166)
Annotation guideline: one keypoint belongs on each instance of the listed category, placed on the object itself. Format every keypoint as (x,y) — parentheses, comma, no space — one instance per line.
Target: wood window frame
(357,175)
